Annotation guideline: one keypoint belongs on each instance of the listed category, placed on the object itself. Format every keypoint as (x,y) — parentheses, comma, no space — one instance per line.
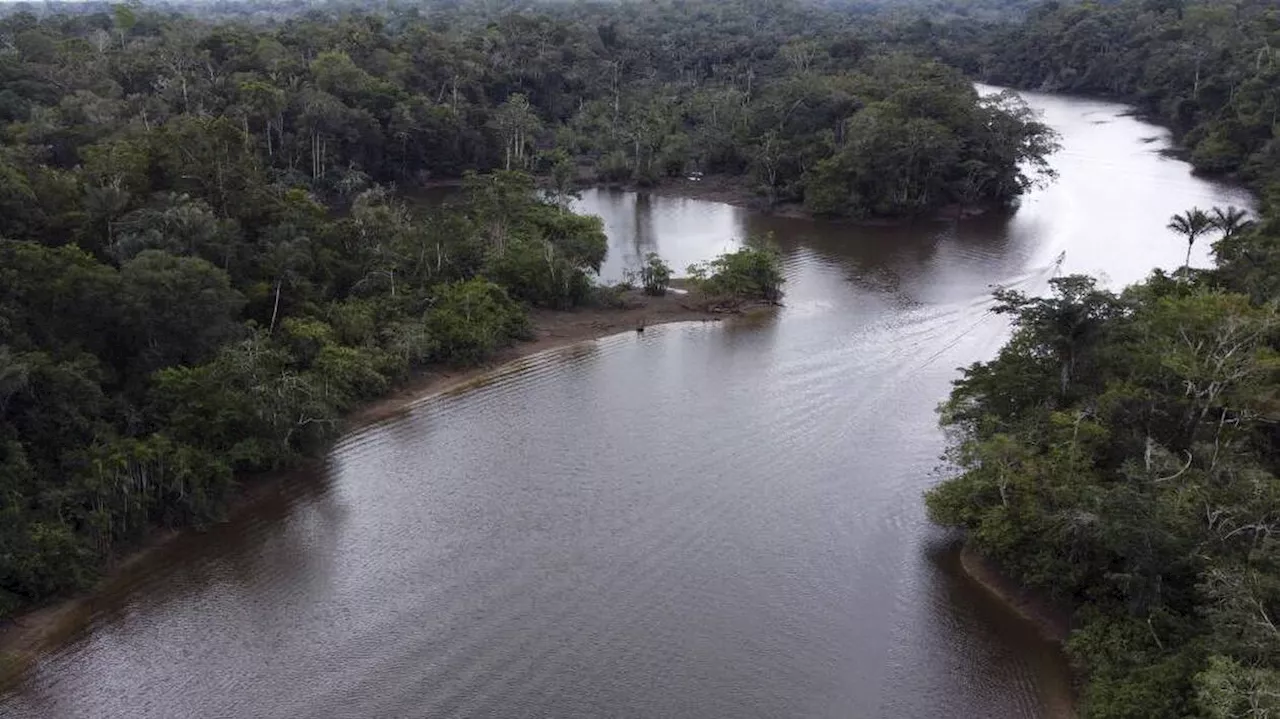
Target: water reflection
(681,230)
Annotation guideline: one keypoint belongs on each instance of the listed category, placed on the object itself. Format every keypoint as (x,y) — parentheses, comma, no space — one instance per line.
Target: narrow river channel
(719,520)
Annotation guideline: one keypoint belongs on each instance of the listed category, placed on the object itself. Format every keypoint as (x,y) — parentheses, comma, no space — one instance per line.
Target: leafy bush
(537,272)
(471,320)
(655,276)
(749,274)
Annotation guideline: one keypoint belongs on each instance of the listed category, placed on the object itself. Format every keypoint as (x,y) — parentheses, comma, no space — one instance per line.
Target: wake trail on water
(1038,276)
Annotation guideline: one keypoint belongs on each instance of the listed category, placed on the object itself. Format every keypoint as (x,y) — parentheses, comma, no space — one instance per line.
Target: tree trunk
(276,309)
(616,100)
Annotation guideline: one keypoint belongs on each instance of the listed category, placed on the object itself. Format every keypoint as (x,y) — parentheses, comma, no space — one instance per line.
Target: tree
(177,309)
(286,258)
(1191,224)
(14,377)
(471,320)
(655,275)
(208,261)
(266,104)
(562,177)
(1228,689)
(497,202)
(179,225)
(517,123)
(1068,324)
(1230,222)
(747,275)
(125,20)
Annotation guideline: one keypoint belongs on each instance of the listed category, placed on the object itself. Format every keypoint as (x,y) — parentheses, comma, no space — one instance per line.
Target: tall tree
(1191,224)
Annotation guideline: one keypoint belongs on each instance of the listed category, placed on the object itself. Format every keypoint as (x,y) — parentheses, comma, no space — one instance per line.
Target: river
(703,520)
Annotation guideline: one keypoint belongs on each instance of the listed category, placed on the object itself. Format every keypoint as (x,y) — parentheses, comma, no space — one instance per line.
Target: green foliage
(655,275)
(203,266)
(747,275)
(1227,689)
(471,320)
(201,272)
(536,249)
(930,142)
(614,167)
(1191,224)
(179,308)
(1209,69)
(538,273)
(1118,455)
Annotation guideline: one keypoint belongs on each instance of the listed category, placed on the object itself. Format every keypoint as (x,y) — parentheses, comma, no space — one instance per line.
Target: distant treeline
(1208,68)
(797,101)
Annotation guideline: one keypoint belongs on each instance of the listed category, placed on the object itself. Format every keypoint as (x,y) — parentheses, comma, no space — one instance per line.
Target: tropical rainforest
(1121,453)
(210,250)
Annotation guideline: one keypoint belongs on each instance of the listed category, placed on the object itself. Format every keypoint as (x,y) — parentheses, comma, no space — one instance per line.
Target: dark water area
(698,521)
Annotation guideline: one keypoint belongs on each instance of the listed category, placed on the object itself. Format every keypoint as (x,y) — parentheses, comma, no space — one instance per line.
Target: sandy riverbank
(24,638)
(552,329)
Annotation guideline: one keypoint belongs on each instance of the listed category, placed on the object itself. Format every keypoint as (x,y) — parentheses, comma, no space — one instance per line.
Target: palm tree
(1231,222)
(1191,224)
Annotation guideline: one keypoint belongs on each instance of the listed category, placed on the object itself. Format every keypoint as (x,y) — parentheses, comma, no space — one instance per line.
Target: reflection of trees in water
(755,333)
(618,210)
(873,244)
(971,624)
(643,239)
(262,538)
(883,257)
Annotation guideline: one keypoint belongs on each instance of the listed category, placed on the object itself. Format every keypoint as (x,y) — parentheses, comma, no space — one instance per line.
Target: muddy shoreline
(553,329)
(27,636)
(1051,621)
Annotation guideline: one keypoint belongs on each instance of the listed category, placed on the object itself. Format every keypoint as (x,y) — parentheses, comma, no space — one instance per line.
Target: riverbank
(1052,622)
(736,191)
(727,189)
(553,329)
(23,639)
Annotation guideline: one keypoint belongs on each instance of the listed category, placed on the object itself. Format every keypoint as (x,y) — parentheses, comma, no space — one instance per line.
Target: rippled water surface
(699,521)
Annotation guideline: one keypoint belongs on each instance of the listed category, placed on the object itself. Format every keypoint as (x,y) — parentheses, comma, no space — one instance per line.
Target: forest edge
(23,638)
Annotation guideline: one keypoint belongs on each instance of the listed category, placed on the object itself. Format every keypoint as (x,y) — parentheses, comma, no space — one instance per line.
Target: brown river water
(703,520)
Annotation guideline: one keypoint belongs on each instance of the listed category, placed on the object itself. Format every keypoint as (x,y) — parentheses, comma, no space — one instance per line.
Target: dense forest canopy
(618,92)
(1121,451)
(207,253)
